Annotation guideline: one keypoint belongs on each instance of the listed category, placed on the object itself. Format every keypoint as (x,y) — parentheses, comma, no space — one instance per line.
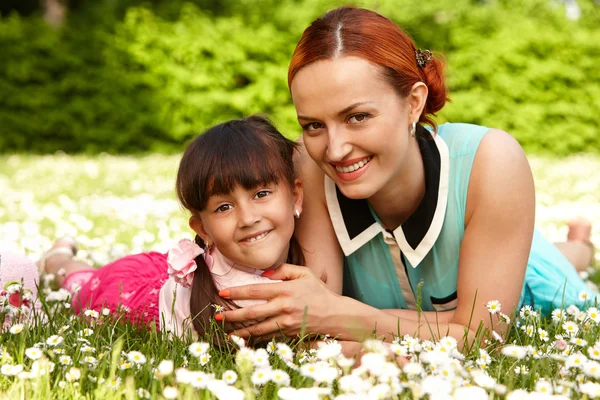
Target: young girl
(237,180)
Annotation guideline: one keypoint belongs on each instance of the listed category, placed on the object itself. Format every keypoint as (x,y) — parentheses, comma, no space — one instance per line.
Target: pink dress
(141,284)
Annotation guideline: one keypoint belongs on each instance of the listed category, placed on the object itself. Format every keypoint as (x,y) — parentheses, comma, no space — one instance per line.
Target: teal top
(383,268)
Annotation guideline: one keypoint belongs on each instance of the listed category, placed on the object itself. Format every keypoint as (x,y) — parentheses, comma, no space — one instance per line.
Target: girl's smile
(259,236)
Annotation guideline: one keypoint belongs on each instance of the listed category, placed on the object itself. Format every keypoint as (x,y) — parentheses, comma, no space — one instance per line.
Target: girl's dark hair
(248,152)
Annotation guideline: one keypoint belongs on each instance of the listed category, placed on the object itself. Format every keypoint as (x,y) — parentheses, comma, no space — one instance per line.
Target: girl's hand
(301,301)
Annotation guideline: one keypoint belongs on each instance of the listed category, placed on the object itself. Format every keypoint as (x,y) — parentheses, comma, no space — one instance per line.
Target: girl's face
(354,124)
(251,227)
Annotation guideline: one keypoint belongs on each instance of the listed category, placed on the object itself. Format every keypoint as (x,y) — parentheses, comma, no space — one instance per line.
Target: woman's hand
(302,301)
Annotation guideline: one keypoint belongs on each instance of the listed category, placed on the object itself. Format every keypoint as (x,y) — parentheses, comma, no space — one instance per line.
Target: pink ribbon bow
(181,261)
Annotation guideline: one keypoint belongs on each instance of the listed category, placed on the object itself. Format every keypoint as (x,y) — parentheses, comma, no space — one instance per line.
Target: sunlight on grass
(121,205)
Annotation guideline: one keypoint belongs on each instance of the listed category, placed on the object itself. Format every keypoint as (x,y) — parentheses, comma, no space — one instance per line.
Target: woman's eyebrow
(341,113)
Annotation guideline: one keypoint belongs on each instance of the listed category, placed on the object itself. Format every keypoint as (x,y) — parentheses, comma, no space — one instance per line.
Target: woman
(451,207)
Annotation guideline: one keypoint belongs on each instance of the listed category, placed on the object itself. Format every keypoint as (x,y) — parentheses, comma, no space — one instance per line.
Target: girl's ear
(298,192)
(198,227)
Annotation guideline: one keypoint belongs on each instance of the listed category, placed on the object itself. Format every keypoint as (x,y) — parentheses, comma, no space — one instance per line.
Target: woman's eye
(358,118)
(223,208)
(261,194)
(313,126)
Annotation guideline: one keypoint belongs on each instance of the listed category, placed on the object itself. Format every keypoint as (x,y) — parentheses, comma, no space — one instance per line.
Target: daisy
(65,360)
(260,376)
(558,315)
(570,327)
(593,314)
(91,313)
(33,353)
(170,392)
(280,377)
(198,348)
(16,329)
(229,377)
(514,351)
(165,367)
(143,393)
(284,352)
(73,374)
(54,340)
(543,386)
(204,358)
(493,306)
(136,357)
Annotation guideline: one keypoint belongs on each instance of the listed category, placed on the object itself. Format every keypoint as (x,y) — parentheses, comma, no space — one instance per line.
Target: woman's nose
(338,146)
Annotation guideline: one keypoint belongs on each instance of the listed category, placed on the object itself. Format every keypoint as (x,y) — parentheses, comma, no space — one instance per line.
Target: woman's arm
(493,258)
(314,231)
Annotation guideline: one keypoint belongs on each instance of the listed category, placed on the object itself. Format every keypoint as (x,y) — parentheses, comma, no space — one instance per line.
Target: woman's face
(354,124)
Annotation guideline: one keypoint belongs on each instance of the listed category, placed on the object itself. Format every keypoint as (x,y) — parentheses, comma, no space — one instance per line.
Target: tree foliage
(126,76)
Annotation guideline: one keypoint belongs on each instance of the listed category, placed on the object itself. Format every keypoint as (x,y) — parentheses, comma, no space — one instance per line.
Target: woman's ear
(197,226)
(417,98)
(298,192)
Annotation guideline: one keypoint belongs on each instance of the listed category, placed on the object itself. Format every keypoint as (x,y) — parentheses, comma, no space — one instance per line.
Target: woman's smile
(353,169)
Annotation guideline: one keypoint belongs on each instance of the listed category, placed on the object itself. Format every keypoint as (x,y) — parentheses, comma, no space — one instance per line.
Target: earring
(297,213)
(413,130)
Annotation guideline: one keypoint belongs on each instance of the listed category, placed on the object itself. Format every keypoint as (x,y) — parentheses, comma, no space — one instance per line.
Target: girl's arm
(493,258)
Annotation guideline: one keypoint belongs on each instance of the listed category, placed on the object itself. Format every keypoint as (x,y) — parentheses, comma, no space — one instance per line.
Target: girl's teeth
(354,167)
(262,235)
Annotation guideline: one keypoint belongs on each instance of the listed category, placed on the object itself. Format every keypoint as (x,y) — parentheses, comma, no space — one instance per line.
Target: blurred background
(129,76)
(98,97)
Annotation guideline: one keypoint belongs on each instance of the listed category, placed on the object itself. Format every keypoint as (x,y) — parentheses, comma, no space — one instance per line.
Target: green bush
(147,78)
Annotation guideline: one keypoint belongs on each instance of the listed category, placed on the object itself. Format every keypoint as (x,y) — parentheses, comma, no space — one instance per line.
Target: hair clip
(423,57)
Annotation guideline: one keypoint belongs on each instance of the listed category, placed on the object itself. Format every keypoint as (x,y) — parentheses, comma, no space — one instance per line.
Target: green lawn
(118,205)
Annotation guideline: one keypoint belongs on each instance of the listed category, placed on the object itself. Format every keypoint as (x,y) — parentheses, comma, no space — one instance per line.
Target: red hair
(348,31)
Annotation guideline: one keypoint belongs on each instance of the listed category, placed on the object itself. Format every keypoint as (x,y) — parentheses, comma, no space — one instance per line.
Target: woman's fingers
(288,272)
(264,330)
(259,291)
(251,313)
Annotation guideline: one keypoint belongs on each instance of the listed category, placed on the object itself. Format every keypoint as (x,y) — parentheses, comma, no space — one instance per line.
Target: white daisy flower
(280,377)
(65,360)
(73,374)
(493,306)
(593,314)
(196,349)
(261,376)
(54,340)
(16,329)
(33,353)
(592,369)
(165,367)
(571,328)
(284,352)
(92,313)
(514,351)
(229,377)
(170,392)
(543,386)
(204,359)
(136,357)
(143,393)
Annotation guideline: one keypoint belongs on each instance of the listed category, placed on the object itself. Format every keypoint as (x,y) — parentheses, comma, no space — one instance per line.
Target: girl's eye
(261,194)
(358,118)
(223,208)
(313,126)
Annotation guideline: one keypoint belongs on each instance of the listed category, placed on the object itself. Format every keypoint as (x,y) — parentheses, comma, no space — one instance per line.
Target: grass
(121,205)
